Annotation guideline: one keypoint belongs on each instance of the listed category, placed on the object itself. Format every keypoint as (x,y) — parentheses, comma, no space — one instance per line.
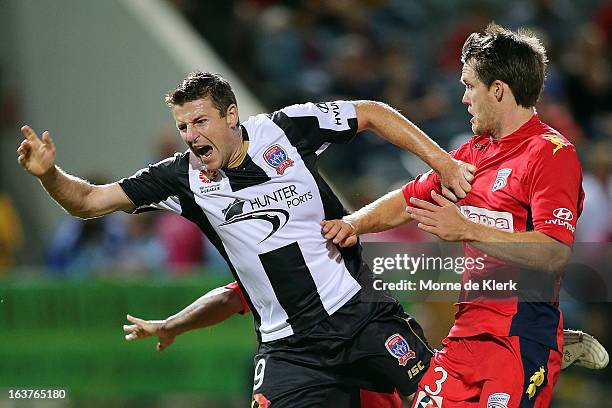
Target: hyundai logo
(563,214)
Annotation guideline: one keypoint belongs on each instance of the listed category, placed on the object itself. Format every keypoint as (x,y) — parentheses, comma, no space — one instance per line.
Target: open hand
(444,219)
(145,328)
(36,155)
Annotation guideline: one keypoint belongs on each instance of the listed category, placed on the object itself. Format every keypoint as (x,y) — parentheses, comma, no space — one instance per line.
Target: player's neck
(511,121)
(242,146)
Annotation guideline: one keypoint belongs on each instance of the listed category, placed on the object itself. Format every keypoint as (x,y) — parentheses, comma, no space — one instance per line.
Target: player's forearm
(395,128)
(383,214)
(214,307)
(68,191)
(532,249)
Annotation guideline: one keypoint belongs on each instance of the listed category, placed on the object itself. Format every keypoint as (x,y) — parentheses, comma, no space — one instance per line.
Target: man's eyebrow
(203,115)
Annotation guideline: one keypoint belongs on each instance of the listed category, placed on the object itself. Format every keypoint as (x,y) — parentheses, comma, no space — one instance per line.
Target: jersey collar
(532,127)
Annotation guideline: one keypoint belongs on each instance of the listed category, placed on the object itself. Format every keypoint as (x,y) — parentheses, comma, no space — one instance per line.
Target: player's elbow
(83,211)
(84,215)
(558,258)
(369,113)
(98,201)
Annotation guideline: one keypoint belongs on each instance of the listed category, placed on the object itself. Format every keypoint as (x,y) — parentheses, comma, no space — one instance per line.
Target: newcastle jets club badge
(277,158)
(399,348)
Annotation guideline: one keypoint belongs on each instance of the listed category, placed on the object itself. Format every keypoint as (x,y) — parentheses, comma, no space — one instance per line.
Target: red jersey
(528,180)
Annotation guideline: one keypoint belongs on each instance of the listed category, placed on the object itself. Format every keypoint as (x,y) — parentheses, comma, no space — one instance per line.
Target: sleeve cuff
(561,236)
(236,288)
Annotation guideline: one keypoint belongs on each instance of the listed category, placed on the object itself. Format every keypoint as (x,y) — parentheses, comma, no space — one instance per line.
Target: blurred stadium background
(94,73)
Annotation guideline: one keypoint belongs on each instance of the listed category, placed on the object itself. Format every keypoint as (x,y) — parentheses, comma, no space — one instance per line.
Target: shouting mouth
(204,151)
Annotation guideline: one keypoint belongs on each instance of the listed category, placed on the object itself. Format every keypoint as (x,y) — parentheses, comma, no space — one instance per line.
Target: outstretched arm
(395,128)
(77,196)
(214,307)
(385,213)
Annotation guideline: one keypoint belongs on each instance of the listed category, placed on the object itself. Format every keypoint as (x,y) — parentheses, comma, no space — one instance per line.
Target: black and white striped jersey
(264,216)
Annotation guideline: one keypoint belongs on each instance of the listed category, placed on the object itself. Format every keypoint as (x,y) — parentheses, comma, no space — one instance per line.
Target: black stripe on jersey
(529,222)
(248,174)
(295,129)
(171,177)
(155,183)
(299,298)
(194,213)
(306,135)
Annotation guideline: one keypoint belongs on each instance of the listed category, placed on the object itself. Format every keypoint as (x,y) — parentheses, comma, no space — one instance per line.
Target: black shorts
(375,346)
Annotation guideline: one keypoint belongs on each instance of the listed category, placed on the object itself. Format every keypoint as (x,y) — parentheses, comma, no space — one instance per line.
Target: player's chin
(478,130)
(474,126)
(213,162)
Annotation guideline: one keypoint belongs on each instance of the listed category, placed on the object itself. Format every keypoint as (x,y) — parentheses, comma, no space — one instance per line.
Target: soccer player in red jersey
(526,198)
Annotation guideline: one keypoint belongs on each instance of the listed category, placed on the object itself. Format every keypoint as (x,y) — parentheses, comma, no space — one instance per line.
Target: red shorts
(488,371)
(371,399)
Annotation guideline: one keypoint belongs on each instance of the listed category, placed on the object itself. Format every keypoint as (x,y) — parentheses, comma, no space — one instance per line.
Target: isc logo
(415,369)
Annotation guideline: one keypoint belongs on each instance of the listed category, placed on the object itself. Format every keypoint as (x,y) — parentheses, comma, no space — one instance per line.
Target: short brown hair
(199,85)
(516,58)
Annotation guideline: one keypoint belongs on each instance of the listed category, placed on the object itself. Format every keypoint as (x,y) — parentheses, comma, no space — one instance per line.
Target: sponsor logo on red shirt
(499,219)
(563,216)
(557,141)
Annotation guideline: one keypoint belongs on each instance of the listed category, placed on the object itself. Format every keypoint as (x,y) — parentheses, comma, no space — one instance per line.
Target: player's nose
(190,135)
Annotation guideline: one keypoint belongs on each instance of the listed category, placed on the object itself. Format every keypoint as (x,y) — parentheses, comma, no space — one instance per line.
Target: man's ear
(231,115)
(499,89)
